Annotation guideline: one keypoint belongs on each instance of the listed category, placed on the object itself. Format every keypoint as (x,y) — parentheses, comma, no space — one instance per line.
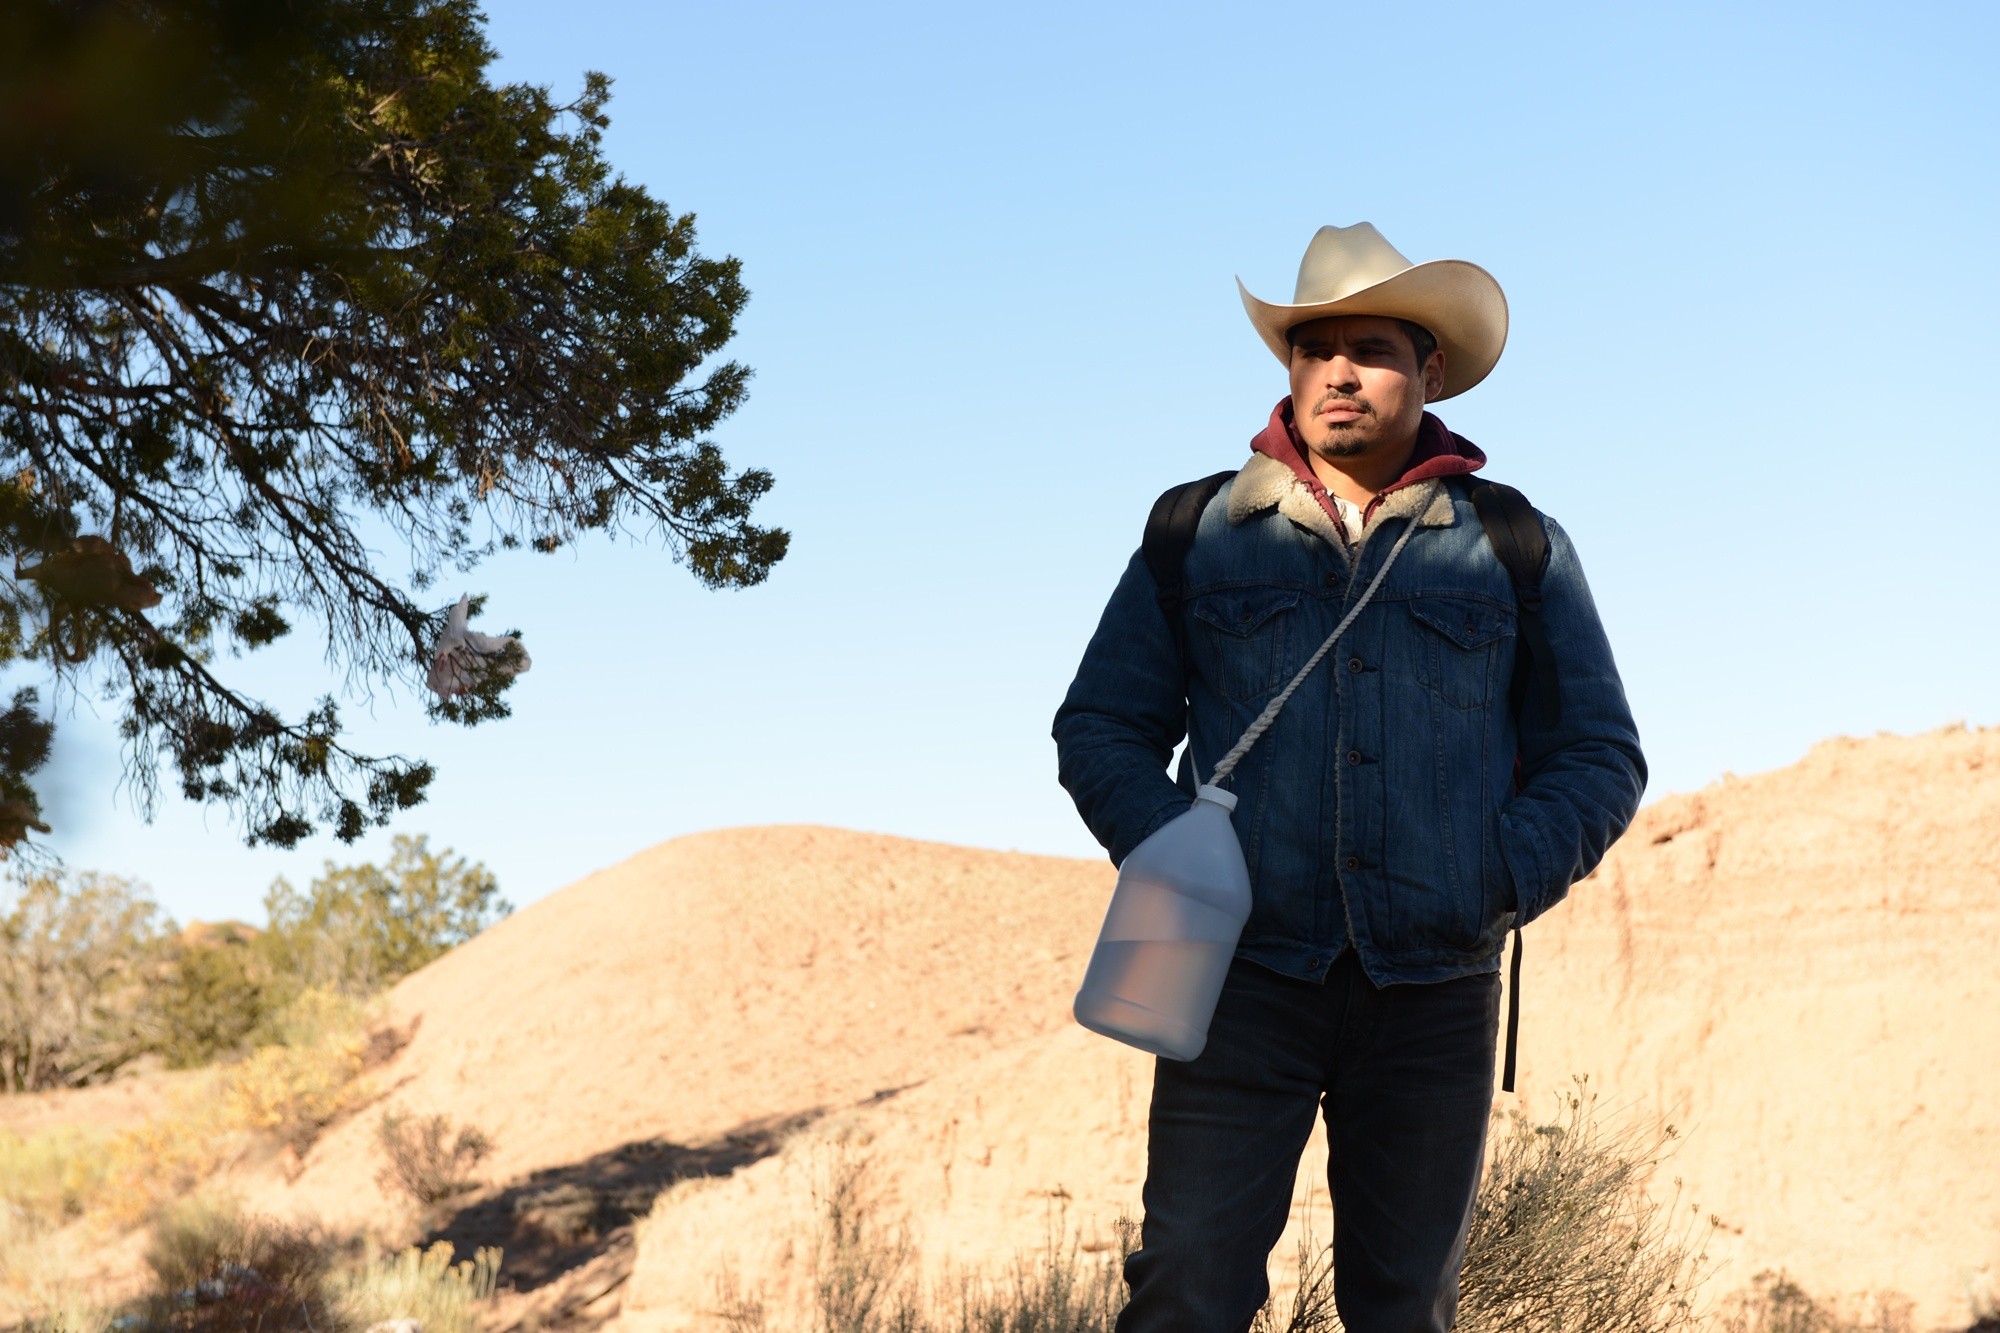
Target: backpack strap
(1515,531)
(1169,536)
(1518,538)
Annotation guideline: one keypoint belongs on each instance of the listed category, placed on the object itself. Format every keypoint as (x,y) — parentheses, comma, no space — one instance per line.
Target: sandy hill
(715,986)
(1796,968)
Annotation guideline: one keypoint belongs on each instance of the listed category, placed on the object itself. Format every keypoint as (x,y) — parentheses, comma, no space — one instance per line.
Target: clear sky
(1750,253)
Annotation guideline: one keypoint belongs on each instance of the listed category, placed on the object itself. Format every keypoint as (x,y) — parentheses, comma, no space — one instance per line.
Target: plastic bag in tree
(464,657)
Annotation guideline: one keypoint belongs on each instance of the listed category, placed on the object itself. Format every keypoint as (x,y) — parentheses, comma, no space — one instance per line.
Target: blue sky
(1750,259)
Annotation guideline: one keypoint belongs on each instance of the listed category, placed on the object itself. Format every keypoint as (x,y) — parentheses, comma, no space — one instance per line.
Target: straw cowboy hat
(1354,271)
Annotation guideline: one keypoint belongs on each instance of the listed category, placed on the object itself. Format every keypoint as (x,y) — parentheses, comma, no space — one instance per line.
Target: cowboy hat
(1354,271)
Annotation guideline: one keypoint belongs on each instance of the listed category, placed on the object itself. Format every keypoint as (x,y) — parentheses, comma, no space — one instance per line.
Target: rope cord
(1256,730)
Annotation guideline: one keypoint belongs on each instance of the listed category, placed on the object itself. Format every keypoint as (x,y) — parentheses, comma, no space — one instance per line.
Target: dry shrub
(426,1161)
(565,1214)
(50,1178)
(167,1157)
(217,1270)
(861,1261)
(424,1285)
(1566,1236)
(33,1296)
(1776,1304)
(290,1090)
(307,1076)
(866,1280)
(1310,1308)
(1056,1291)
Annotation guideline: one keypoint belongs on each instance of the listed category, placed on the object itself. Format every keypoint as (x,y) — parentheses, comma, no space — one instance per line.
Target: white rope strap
(1256,730)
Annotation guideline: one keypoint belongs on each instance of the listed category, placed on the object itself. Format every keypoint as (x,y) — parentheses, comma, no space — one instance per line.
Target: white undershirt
(1350,517)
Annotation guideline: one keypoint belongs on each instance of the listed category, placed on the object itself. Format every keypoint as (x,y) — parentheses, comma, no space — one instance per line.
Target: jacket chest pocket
(1244,638)
(1457,647)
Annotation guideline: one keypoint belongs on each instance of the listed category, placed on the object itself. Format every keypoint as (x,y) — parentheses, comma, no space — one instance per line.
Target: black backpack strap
(1169,536)
(1522,544)
(1513,1013)
(1518,538)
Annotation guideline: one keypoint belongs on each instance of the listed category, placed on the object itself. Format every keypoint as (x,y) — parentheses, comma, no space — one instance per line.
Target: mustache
(1346,400)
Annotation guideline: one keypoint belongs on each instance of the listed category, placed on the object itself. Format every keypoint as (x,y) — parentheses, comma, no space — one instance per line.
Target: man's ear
(1434,376)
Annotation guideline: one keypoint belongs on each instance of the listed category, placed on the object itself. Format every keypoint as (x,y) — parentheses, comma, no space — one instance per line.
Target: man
(1399,818)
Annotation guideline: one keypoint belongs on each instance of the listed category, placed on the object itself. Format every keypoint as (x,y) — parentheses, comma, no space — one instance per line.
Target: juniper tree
(283,282)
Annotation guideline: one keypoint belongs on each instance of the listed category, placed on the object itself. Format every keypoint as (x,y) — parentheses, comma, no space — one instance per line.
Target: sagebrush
(1565,1238)
(424,1285)
(427,1159)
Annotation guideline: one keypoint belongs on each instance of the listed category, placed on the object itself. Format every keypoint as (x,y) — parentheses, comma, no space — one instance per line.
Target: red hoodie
(1439,453)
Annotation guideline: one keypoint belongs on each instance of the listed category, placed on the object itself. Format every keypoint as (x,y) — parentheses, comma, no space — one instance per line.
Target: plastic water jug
(1182,898)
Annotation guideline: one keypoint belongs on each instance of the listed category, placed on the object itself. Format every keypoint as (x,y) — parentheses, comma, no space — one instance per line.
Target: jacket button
(1354,756)
(1332,580)
(1354,863)
(1354,665)
(1314,962)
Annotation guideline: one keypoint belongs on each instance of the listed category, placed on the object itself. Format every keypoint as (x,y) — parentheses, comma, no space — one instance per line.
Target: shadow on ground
(564,1218)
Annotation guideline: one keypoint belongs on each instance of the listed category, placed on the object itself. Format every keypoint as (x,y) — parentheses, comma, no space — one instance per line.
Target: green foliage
(51,1178)
(217,995)
(360,928)
(93,976)
(353,931)
(278,278)
(78,960)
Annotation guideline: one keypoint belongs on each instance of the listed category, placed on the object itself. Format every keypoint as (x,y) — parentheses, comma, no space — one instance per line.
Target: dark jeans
(1404,1075)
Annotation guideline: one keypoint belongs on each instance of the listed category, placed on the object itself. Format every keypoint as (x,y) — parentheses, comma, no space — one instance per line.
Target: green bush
(79,959)
(360,928)
(214,1000)
(93,975)
(52,1177)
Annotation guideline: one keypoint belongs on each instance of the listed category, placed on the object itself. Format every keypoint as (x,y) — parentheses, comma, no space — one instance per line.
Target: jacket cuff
(1520,848)
(1161,817)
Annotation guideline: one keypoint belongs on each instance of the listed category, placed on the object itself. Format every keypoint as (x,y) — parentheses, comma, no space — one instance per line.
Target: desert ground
(1795,970)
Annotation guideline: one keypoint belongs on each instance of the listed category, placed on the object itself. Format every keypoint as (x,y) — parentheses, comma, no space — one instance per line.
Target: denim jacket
(1396,804)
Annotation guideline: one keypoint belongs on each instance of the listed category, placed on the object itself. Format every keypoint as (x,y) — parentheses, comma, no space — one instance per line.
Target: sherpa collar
(1277,476)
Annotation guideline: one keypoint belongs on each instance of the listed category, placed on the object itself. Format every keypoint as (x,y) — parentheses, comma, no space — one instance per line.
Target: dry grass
(424,1285)
(33,1297)
(218,1271)
(425,1159)
(865,1277)
(1565,1239)
(1776,1304)
(307,1079)
(51,1178)
(289,1091)
(1565,1234)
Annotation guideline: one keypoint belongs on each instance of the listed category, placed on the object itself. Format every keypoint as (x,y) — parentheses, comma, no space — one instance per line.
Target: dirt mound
(690,1001)
(1796,969)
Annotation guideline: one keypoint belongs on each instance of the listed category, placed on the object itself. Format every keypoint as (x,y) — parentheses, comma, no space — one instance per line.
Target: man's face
(1356,386)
